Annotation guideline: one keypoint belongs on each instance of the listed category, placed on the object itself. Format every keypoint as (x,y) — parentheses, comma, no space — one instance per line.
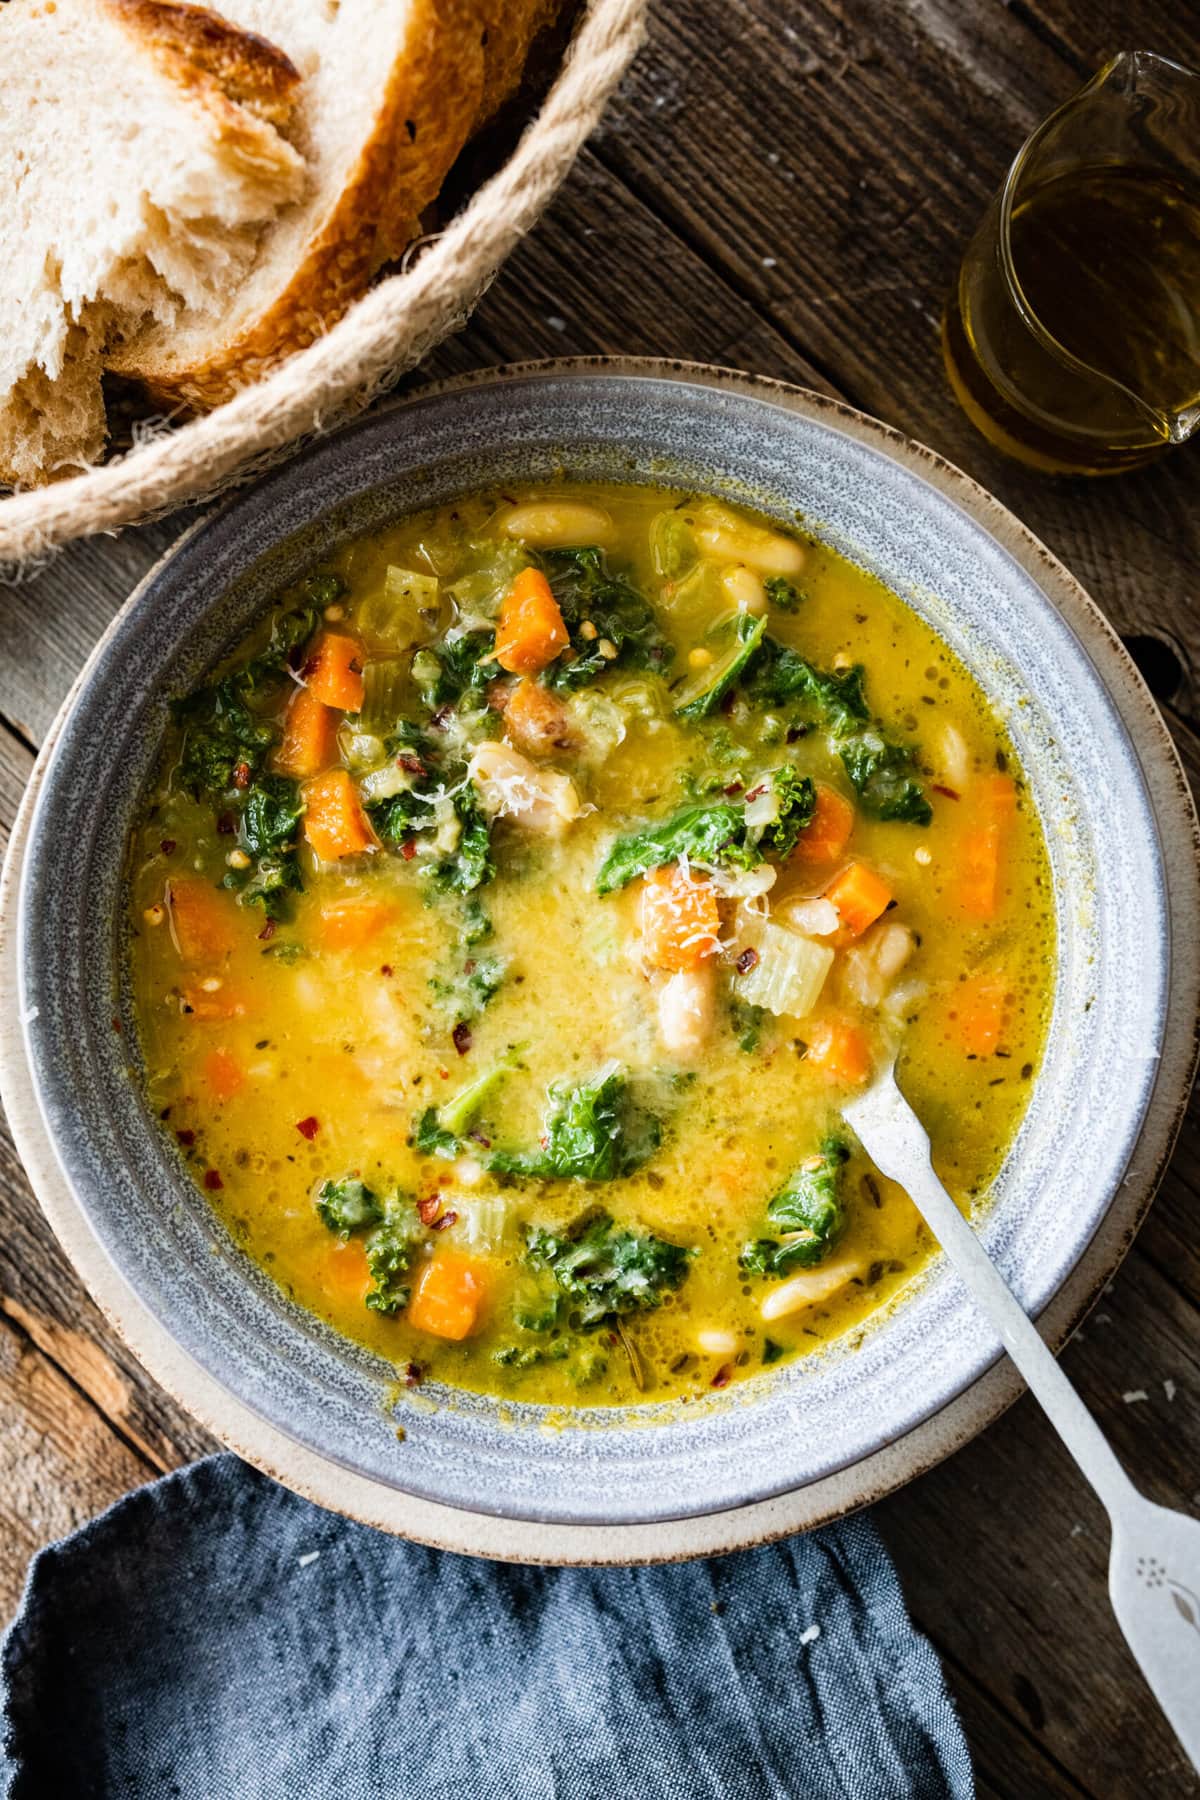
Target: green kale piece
(613,610)
(476,921)
(736,642)
(796,800)
(221,737)
(270,883)
(747,1022)
(323,587)
(389,1252)
(782,677)
(717,835)
(705,834)
(807,1213)
(771,1351)
(880,770)
(347,1205)
(537,1305)
(439,1130)
(467,991)
(455,669)
(271,815)
(469,865)
(592,1131)
(881,775)
(400,817)
(607,1272)
(783,594)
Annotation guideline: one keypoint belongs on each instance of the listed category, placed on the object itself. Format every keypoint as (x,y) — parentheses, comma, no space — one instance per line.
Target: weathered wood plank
(60,1462)
(839,202)
(1003,1551)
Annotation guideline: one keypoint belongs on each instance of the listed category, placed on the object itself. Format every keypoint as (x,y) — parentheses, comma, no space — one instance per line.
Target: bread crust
(465,57)
(203,52)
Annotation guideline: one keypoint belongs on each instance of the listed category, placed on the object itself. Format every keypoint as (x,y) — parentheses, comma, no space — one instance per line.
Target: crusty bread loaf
(143,153)
(392,89)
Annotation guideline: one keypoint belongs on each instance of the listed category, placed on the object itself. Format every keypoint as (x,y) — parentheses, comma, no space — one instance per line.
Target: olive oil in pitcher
(1072,337)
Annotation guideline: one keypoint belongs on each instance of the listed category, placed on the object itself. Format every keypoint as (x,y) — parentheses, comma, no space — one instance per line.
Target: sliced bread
(143,151)
(392,89)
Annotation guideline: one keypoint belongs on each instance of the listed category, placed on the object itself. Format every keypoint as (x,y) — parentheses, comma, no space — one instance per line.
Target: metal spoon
(1154,1562)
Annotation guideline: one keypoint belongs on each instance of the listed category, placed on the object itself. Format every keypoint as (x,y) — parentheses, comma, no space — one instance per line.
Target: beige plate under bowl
(867,1479)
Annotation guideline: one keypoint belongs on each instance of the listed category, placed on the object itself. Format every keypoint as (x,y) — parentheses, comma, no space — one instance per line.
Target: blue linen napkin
(214,1637)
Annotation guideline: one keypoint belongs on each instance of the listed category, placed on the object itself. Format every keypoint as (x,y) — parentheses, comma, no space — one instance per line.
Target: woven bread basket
(382,336)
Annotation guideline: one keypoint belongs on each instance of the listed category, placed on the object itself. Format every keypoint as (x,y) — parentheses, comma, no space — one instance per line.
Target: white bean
(745,589)
(558,524)
(809,1288)
(723,536)
(543,799)
(686,1007)
(718,1343)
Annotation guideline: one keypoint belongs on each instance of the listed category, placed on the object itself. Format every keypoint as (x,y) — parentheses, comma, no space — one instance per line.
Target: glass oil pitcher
(1072,336)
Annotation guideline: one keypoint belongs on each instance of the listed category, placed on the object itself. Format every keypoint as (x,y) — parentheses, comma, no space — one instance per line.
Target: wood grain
(787,191)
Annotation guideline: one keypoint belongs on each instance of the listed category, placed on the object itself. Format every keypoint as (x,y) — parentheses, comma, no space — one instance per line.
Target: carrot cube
(982,848)
(828,831)
(861,896)
(841,1050)
(224,1073)
(204,920)
(448,1296)
(680,921)
(334,671)
(309,736)
(335,824)
(531,632)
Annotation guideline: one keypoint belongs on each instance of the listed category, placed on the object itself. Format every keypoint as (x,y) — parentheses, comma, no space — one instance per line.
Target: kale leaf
(607,1272)
(347,1205)
(783,594)
(439,1130)
(466,992)
(271,815)
(599,607)
(456,669)
(221,737)
(592,1131)
(717,835)
(389,1252)
(270,883)
(881,771)
(737,640)
(807,1213)
(431,1137)
(469,865)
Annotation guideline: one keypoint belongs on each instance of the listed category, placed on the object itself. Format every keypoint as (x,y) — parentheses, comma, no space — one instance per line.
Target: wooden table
(781,188)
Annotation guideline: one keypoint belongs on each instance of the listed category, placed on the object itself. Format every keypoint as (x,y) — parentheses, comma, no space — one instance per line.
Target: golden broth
(286,1054)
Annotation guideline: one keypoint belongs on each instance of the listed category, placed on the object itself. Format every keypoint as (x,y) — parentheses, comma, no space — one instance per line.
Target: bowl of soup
(474,874)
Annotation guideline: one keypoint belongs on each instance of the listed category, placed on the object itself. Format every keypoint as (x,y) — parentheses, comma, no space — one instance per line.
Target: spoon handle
(897,1143)
(1154,1564)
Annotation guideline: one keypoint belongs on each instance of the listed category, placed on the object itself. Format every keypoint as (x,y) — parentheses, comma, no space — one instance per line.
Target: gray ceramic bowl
(1104,782)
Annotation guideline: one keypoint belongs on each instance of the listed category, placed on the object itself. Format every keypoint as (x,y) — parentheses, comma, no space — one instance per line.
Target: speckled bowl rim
(867,1479)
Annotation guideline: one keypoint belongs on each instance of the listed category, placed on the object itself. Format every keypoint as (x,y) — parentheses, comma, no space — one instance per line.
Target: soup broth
(513,914)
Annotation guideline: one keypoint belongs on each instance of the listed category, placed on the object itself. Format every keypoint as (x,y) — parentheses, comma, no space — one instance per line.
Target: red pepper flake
(167,846)
(412,764)
(949,792)
(408,849)
(212,1181)
(186,1138)
(462,1037)
(267,932)
(447,1218)
(385,968)
(441,718)
(735,787)
(755,792)
(723,1376)
(116,1025)
(413,1373)
(308,1128)
(226,824)
(478,1138)
(749,959)
(241,775)
(428,1208)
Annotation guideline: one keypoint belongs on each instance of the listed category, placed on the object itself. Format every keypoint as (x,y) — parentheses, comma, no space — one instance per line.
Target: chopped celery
(731,644)
(386,694)
(785,972)
(403,612)
(672,544)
